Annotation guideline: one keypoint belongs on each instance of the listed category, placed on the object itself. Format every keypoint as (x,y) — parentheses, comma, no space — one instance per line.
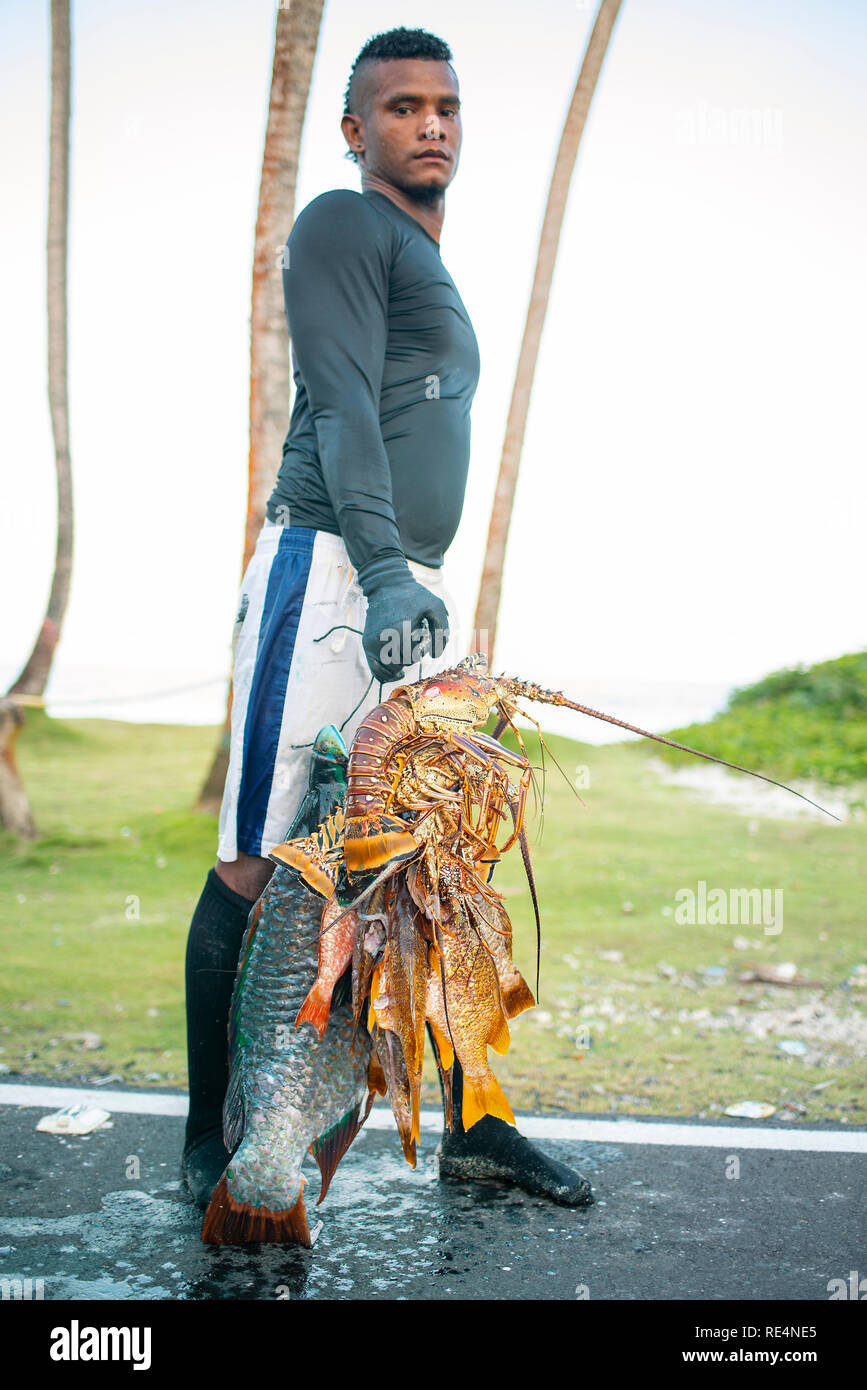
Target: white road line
(623,1131)
(122,1102)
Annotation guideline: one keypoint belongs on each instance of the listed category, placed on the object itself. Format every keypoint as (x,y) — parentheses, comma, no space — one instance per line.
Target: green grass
(94,916)
(95,913)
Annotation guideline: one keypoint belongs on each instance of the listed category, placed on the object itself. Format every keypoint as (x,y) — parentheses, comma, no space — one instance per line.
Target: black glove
(405,621)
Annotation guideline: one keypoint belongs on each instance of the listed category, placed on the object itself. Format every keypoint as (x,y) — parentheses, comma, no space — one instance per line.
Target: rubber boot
(493,1149)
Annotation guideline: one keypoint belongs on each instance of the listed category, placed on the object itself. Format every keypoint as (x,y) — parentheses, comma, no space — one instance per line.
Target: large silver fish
(289,1090)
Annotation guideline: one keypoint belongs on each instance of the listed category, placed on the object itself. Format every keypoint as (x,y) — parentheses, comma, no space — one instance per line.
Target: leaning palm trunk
(295,40)
(15,814)
(33,678)
(501,514)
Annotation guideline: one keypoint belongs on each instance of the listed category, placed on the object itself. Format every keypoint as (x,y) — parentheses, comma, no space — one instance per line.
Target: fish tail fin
(405,1128)
(484,1096)
(517,997)
(407,1143)
(316,1009)
(230,1222)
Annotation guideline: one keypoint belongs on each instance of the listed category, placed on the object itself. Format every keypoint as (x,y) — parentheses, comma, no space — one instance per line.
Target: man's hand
(405,621)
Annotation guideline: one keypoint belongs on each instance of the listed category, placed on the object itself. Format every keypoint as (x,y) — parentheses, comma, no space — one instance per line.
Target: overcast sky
(692,497)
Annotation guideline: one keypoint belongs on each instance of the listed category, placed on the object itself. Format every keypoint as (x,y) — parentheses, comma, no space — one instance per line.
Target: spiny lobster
(423,748)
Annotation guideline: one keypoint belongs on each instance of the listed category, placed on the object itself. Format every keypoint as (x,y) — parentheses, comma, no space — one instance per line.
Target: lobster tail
(321,878)
(316,858)
(376,840)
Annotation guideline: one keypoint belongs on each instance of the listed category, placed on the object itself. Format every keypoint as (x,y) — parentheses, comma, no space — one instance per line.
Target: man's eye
(449,111)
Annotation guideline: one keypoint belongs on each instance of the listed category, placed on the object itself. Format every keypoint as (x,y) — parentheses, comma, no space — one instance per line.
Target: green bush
(807,722)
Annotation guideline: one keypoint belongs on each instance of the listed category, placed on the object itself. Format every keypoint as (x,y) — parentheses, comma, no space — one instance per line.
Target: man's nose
(432,128)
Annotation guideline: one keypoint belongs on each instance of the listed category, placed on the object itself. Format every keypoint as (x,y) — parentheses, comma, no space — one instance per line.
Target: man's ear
(353,131)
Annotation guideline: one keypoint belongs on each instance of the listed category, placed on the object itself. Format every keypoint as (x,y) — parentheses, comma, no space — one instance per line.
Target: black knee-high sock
(213,946)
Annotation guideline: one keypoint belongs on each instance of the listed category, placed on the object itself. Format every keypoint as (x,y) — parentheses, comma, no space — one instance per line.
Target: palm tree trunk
(295,40)
(34,677)
(15,813)
(492,571)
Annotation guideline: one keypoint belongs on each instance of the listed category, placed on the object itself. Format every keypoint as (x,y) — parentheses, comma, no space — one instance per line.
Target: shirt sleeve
(335,288)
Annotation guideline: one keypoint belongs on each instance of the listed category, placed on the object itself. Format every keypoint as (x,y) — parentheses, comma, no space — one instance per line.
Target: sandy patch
(751,797)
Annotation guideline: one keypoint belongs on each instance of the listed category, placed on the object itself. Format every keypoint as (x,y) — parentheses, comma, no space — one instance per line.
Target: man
(345,588)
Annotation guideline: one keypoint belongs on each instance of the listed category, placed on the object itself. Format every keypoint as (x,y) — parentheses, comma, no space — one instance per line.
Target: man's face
(409,124)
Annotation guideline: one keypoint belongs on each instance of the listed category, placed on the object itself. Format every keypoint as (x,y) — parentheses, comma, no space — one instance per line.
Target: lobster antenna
(538,798)
(552,697)
(546,748)
(443,983)
(574,790)
(531,880)
(360,703)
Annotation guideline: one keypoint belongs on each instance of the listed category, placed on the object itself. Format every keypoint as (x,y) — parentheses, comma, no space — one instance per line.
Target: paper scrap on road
(74,1119)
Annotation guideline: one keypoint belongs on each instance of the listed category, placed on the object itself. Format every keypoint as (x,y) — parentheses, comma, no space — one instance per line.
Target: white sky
(692,500)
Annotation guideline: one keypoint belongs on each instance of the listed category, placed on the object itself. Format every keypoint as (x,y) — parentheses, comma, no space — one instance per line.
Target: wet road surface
(103,1216)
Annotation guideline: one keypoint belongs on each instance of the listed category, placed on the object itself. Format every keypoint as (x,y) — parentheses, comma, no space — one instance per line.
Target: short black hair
(395,43)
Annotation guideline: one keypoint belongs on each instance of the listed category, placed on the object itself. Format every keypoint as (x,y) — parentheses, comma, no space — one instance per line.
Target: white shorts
(296,668)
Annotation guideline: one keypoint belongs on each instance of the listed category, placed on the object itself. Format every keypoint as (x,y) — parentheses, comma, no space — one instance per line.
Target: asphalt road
(670,1222)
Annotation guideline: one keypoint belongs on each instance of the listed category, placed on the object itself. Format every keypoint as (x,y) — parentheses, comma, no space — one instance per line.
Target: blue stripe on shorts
(281,614)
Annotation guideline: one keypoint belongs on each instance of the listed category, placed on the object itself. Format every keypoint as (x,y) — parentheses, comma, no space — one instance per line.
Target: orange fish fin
(374,991)
(445,1051)
(329,1148)
(408,1146)
(415,1092)
(315,1009)
(229,1222)
(498,1038)
(517,998)
(376,1076)
(484,1097)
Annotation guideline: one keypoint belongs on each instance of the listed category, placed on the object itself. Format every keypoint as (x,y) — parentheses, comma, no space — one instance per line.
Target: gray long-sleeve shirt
(386,364)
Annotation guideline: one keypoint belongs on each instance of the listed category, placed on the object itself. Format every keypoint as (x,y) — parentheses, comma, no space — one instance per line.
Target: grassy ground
(93,922)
